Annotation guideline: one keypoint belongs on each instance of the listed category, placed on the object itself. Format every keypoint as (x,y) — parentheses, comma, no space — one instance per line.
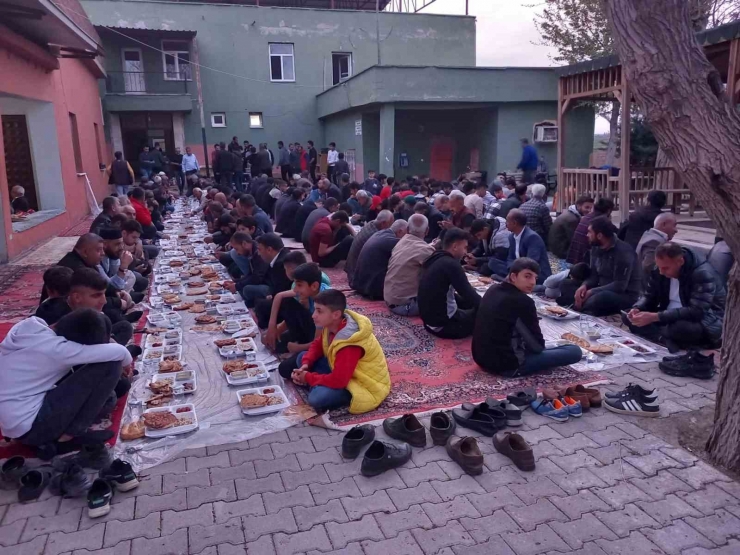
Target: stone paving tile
(337,490)
(196,463)
(60,542)
(432,541)
(453,488)
(175,501)
(375,503)
(579,459)
(393,523)
(309,460)
(709,499)
(317,475)
(488,503)
(618,496)
(625,521)
(403,544)
(389,479)
(20,511)
(534,490)
(675,538)
(617,472)
(586,529)
(441,513)
(11,534)
(583,502)
(662,484)
(414,476)
(298,497)
(668,509)
(199,477)
(635,543)
(243,471)
(200,537)
(404,498)
(247,488)
(308,517)
(262,546)
(718,527)
(304,445)
(224,511)
(38,525)
(732,548)
(302,541)
(282,521)
(116,532)
(700,474)
(261,453)
(488,527)
(581,479)
(363,529)
(288,463)
(531,516)
(172,520)
(34,547)
(491,481)
(542,539)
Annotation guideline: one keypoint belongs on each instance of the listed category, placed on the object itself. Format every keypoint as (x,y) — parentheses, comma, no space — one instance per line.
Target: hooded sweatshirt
(441,277)
(33,358)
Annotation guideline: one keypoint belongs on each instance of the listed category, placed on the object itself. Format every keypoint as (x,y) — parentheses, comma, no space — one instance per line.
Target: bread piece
(573,338)
(556,310)
(254,401)
(133,430)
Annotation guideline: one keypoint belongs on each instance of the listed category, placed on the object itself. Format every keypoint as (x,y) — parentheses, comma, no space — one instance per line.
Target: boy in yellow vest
(346,365)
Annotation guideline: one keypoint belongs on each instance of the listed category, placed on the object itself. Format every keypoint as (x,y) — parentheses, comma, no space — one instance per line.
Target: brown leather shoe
(516,448)
(466,453)
(594,395)
(584,398)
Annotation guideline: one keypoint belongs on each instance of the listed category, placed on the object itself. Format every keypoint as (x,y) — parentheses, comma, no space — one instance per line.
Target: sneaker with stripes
(634,400)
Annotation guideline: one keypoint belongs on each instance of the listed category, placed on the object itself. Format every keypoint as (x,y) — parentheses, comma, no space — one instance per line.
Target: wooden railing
(599,183)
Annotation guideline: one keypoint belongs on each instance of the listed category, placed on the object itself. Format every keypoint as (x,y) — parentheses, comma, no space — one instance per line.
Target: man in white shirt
(189,162)
(332,157)
(43,401)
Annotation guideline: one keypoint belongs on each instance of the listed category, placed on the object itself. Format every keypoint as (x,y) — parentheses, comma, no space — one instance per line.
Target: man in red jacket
(143,216)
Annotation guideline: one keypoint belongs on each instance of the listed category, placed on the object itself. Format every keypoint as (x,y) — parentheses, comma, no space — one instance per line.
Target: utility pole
(466,7)
(377,27)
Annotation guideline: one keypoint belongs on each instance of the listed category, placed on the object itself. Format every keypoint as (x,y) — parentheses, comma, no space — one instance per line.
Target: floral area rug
(429,373)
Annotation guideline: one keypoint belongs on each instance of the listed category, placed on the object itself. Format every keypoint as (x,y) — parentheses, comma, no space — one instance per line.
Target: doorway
(441,158)
(140,129)
(18,160)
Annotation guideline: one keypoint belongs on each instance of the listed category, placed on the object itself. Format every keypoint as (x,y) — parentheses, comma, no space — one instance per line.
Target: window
(255,119)
(96,129)
(341,65)
(218,119)
(176,59)
(76,142)
(282,66)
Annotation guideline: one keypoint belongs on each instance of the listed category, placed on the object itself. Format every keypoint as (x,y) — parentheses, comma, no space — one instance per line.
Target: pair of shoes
(69,480)
(574,407)
(691,365)
(587,396)
(523,398)
(379,457)
(12,471)
(633,400)
(554,410)
(488,417)
(516,448)
(408,428)
(119,475)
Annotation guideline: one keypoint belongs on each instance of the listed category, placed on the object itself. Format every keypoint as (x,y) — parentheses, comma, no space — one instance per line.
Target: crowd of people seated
(408,243)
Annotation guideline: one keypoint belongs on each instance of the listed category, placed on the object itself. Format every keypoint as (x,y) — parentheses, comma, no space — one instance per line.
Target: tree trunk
(681,95)
(611,147)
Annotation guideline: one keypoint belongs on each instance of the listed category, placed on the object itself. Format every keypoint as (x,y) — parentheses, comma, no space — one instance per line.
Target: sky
(506,34)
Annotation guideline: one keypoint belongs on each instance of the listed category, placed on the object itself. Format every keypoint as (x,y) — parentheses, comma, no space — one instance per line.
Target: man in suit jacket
(522,242)
(273,279)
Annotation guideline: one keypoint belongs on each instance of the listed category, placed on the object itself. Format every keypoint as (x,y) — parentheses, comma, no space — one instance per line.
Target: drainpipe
(196,59)
(377,27)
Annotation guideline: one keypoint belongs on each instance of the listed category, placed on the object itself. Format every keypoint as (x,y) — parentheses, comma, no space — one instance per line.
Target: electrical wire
(113,30)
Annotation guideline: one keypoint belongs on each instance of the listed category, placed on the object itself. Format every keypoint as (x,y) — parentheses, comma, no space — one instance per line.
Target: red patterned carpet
(428,372)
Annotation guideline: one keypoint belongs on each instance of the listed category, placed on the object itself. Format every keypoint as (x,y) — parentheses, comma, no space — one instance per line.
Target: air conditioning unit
(545,133)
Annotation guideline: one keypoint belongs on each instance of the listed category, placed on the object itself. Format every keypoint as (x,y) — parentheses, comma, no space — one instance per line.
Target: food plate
(245,347)
(227,298)
(189,417)
(156,319)
(261,376)
(272,391)
(555,312)
(639,348)
(179,380)
(164,288)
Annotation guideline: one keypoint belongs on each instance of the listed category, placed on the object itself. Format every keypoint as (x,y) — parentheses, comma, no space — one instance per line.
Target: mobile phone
(625,314)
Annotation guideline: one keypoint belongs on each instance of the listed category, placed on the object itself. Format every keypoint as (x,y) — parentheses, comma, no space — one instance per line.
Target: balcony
(148,91)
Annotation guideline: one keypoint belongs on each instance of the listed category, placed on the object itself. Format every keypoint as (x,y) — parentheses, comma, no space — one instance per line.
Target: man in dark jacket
(642,219)
(447,301)
(286,218)
(263,161)
(579,245)
(615,280)
(284,161)
(507,339)
(372,265)
(564,226)
(528,163)
(341,167)
(110,209)
(273,279)
(383,221)
(522,242)
(514,201)
(224,165)
(684,302)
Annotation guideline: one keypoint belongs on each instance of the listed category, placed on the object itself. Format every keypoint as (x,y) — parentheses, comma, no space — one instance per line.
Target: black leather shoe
(441,428)
(33,483)
(356,439)
(491,409)
(134,316)
(13,470)
(406,428)
(475,419)
(383,456)
(523,398)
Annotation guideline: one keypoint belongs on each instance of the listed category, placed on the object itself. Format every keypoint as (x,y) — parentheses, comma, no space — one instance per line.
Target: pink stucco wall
(72,88)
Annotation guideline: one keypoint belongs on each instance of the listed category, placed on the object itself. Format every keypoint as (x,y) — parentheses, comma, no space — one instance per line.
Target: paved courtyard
(603,485)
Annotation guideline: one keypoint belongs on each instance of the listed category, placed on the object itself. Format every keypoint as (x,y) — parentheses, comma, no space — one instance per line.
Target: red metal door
(440,159)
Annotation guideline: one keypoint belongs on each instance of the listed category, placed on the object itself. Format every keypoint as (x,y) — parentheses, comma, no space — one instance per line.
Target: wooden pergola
(602,80)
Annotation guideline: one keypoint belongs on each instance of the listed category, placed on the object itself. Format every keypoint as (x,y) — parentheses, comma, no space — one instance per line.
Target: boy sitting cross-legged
(345,365)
